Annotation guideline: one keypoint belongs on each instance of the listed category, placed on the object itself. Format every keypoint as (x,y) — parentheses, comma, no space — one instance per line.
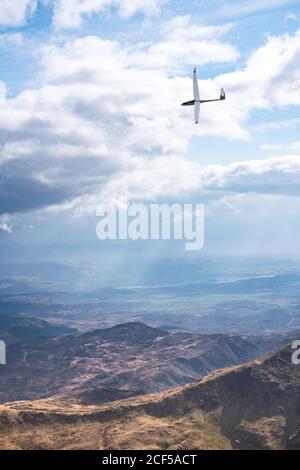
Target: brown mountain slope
(119,362)
(256,406)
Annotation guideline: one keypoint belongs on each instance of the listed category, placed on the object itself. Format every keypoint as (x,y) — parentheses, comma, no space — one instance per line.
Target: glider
(196,101)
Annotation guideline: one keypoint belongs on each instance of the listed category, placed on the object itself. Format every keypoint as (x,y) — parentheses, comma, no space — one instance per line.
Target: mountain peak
(129,332)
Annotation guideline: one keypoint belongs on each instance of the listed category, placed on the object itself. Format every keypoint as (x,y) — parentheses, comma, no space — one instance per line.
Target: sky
(90,94)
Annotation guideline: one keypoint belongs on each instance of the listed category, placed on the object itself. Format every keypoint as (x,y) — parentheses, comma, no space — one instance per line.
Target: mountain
(125,360)
(49,276)
(288,283)
(254,406)
(15,328)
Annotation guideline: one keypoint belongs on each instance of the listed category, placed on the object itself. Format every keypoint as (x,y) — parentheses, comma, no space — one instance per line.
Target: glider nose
(188,103)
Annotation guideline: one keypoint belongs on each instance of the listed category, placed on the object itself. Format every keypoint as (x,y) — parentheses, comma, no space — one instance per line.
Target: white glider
(196,101)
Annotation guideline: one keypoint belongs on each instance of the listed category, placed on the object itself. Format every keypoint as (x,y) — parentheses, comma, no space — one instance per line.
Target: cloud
(274,125)
(107,121)
(291,17)
(237,8)
(16,12)
(182,42)
(2,92)
(11,38)
(5,227)
(278,176)
(274,176)
(271,147)
(270,77)
(93,119)
(71,13)
(291,147)
(294,146)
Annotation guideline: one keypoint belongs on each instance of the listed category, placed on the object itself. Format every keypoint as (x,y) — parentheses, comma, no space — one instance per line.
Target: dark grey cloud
(21,193)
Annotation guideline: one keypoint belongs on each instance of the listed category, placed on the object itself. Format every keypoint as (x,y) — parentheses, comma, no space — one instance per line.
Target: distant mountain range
(253,406)
(38,276)
(125,360)
(14,328)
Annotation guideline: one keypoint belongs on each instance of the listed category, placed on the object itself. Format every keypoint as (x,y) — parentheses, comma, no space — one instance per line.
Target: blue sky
(89,101)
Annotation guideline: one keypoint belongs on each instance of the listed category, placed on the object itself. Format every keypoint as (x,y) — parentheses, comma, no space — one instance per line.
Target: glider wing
(196,96)
(197,111)
(195,86)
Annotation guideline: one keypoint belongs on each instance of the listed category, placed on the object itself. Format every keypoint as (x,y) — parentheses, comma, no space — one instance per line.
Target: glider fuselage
(189,103)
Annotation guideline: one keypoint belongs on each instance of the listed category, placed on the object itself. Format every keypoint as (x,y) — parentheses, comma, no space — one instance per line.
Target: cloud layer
(103,109)
(16,12)
(70,13)
(106,120)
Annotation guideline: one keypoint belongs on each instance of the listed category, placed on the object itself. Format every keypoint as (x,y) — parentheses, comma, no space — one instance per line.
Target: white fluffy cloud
(278,176)
(15,12)
(184,180)
(184,42)
(107,120)
(71,13)
(100,111)
(4,225)
(270,78)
